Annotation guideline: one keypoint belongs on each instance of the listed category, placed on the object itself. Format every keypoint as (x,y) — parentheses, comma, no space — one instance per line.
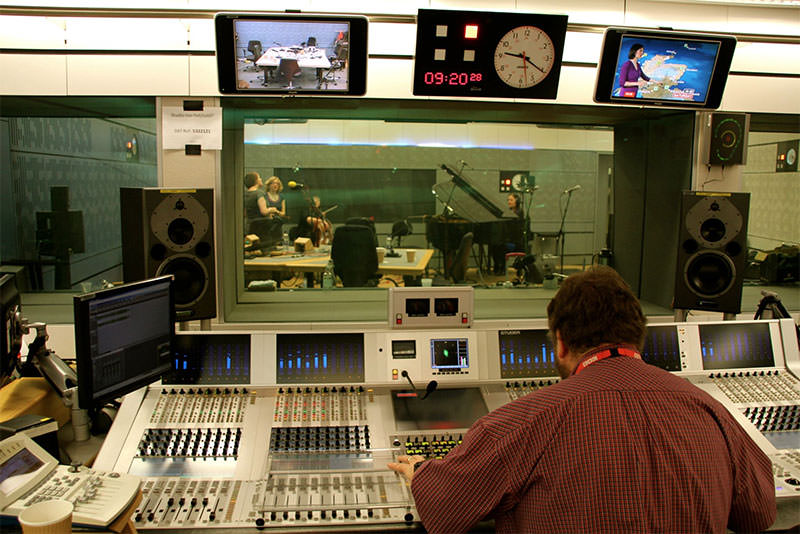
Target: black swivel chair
(268,229)
(288,68)
(312,41)
(355,259)
(458,270)
(363,221)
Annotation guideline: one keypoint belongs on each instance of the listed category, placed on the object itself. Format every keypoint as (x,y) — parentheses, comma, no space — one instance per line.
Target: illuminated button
(394,374)
(471,31)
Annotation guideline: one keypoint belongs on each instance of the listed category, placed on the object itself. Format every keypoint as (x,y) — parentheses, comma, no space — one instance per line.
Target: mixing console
(190,443)
(305,443)
(200,406)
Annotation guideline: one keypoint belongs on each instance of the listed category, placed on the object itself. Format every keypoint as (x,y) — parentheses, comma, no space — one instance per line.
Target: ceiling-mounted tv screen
(663,68)
(291,54)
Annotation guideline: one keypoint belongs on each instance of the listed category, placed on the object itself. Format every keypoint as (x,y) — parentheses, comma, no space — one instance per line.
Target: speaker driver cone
(709,273)
(191,278)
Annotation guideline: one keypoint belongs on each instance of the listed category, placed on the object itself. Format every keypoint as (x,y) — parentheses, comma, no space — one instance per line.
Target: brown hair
(274,179)
(251,179)
(595,307)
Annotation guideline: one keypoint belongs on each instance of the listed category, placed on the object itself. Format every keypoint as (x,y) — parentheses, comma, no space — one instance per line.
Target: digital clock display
(457,54)
(451,78)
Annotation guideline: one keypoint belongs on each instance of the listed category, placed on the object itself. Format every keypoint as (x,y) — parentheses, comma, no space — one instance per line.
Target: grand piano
(468,210)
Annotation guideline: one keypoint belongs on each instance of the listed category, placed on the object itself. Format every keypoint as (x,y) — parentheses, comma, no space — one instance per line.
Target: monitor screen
(11,334)
(123,338)
(736,345)
(293,53)
(526,353)
(662,348)
(644,67)
(450,353)
(319,358)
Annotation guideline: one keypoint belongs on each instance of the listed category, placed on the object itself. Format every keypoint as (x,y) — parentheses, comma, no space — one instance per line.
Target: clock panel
(457,54)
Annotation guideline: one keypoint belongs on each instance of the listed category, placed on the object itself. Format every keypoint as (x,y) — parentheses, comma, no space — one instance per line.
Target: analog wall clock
(524,57)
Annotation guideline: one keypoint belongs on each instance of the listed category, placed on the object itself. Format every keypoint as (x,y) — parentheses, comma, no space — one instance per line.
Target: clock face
(791,156)
(524,57)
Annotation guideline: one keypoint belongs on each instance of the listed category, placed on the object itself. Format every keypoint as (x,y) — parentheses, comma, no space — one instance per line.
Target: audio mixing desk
(292,431)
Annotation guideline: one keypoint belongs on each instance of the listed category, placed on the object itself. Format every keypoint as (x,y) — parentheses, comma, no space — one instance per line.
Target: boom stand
(561,235)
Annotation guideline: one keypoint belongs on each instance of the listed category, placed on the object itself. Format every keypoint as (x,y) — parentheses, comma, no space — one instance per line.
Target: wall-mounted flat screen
(526,354)
(292,53)
(663,68)
(736,345)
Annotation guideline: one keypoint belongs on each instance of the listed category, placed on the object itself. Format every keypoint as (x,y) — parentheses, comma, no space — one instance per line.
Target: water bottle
(327,276)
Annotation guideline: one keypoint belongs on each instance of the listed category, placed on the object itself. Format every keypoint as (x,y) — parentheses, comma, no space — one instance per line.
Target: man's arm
(753,506)
(453,494)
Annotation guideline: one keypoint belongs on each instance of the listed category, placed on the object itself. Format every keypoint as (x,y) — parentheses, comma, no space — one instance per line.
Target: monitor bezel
(607,67)
(226,53)
(10,299)
(86,395)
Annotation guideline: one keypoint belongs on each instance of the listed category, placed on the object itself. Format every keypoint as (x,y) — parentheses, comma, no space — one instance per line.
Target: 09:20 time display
(451,78)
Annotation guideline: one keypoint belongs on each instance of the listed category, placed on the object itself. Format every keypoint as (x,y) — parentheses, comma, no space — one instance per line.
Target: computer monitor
(10,336)
(123,338)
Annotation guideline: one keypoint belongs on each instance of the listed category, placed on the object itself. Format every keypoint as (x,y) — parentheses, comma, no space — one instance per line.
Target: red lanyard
(602,354)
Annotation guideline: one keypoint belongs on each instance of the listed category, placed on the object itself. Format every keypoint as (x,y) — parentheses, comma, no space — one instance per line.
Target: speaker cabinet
(728,139)
(171,231)
(711,251)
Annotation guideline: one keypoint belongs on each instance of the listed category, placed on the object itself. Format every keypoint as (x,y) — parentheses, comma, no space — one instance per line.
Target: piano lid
(465,200)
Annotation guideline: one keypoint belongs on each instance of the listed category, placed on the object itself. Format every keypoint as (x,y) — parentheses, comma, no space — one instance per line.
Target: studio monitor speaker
(171,231)
(711,251)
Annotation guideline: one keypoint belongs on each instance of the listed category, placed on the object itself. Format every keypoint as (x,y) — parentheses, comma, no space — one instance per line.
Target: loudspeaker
(727,143)
(712,251)
(171,231)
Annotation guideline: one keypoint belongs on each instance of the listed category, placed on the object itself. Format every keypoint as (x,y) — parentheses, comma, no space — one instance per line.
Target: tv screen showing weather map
(664,69)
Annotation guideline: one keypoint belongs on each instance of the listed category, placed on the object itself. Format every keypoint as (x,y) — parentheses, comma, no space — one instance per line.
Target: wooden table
(316,261)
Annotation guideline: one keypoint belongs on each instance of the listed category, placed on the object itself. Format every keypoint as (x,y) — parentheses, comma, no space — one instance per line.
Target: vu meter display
(737,346)
(526,353)
(210,359)
(661,347)
(319,358)
(485,54)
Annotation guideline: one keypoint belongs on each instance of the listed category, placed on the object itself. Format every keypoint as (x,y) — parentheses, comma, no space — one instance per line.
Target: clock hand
(524,66)
(532,63)
(512,54)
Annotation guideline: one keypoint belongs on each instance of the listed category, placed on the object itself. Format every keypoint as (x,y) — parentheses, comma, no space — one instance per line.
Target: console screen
(449,354)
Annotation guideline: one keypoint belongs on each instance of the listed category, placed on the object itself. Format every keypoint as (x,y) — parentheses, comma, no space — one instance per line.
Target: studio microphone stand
(561,236)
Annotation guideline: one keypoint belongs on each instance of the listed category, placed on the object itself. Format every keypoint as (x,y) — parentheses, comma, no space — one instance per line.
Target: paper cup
(381,254)
(411,255)
(47,517)
(427,282)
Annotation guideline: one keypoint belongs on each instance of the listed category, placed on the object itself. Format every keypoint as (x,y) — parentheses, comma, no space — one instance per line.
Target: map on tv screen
(670,69)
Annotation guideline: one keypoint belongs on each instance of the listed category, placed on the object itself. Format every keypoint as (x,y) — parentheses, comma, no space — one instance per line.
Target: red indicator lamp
(471,31)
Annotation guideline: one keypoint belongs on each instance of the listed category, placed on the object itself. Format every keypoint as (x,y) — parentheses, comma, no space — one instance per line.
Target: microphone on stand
(296,185)
(432,385)
(464,163)
(566,191)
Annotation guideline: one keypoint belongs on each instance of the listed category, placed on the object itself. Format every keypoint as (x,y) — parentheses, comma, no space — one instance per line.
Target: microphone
(464,163)
(570,190)
(432,385)
(296,185)
(405,375)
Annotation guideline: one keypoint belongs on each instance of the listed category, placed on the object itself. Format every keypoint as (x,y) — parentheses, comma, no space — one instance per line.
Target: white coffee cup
(381,253)
(47,517)
(427,282)
(411,255)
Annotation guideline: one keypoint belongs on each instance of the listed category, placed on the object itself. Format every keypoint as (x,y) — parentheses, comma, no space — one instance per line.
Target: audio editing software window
(526,353)
(661,347)
(320,358)
(736,346)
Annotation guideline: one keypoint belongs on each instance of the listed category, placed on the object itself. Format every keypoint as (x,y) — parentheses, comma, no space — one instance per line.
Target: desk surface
(310,57)
(316,261)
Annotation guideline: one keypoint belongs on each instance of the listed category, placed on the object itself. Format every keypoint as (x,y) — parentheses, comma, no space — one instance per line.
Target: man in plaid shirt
(618,446)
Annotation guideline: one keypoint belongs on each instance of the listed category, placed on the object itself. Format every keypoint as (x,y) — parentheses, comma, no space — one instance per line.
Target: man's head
(593,308)
(251,179)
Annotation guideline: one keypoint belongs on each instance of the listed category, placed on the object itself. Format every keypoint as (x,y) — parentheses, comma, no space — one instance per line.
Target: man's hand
(405,465)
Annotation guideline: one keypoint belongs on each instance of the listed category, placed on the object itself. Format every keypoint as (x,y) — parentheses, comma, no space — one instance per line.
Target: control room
(342,267)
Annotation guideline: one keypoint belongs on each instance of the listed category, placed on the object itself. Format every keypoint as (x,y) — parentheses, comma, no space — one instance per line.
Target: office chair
(363,221)
(312,41)
(254,47)
(355,259)
(288,68)
(268,229)
(458,270)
